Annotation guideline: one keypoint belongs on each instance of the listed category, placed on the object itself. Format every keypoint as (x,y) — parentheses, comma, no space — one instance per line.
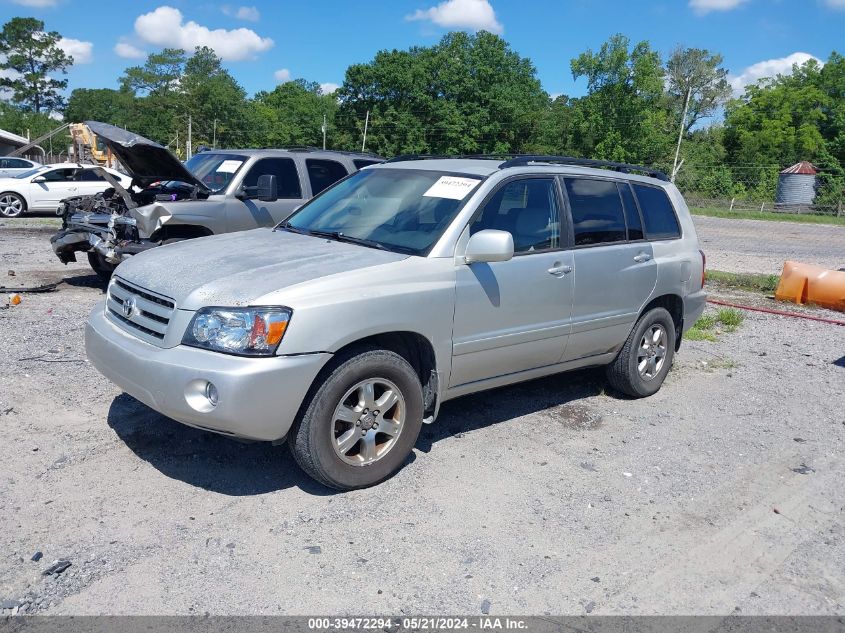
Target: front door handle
(558,270)
(642,257)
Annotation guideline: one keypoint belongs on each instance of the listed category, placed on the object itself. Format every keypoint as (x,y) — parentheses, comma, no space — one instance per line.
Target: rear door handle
(642,257)
(559,270)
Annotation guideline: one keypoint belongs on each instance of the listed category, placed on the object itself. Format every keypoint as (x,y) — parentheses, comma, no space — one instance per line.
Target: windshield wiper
(287,226)
(342,237)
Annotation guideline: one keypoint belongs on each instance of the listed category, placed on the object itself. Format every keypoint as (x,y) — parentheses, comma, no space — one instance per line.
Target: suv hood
(145,160)
(239,268)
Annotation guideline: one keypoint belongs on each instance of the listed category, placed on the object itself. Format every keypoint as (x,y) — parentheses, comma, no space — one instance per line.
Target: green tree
(622,117)
(467,94)
(29,56)
(698,73)
(101,104)
(293,112)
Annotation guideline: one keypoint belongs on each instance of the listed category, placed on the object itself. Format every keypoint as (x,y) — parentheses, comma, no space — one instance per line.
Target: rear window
(323,173)
(661,223)
(597,216)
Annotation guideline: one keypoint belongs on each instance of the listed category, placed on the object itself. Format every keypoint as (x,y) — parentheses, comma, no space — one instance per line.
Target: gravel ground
(723,492)
(760,246)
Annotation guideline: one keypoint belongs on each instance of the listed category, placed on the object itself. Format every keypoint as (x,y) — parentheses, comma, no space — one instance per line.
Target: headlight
(243,331)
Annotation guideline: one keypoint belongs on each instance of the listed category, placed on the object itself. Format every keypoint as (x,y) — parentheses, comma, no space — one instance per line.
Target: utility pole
(675,166)
(324,132)
(366,124)
(214,136)
(189,148)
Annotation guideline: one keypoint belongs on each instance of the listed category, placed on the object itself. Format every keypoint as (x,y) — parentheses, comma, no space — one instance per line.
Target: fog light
(211,393)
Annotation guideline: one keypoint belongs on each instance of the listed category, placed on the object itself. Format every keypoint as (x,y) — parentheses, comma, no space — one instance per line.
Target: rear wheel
(11,204)
(641,366)
(361,420)
(101,266)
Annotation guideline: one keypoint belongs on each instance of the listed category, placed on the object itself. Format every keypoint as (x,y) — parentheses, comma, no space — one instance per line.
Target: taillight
(703,268)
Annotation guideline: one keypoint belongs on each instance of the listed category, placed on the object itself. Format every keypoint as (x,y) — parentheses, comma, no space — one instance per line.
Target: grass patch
(804,218)
(744,281)
(709,325)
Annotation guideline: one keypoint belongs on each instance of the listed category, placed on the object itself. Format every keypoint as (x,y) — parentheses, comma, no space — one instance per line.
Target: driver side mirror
(489,245)
(267,188)
(39,179)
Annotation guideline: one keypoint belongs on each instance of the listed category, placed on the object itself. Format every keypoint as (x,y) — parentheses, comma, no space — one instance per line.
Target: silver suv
(216,191)
(410,283)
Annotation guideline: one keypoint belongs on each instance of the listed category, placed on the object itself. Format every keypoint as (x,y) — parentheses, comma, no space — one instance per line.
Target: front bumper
(258,397)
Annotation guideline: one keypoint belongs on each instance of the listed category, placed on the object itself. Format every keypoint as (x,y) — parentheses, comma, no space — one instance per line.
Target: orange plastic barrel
(803,283)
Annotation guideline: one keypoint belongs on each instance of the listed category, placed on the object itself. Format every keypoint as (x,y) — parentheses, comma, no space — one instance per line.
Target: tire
(11,204)
(103,268)
(325,438)
(647,345)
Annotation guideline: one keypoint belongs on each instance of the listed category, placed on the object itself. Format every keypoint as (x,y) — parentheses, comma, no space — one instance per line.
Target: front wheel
(11,205)
(101,266)
(361,420)
(641,366)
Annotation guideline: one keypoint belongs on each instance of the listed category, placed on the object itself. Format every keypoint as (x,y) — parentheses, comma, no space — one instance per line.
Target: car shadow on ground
(86,281)
(557,395)
(224,465)
(203,459)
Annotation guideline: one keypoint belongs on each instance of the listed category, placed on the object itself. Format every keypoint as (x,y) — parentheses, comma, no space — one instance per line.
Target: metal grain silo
(796,185)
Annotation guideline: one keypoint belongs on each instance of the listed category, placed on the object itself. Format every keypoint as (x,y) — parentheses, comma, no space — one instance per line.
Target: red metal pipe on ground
(778,312)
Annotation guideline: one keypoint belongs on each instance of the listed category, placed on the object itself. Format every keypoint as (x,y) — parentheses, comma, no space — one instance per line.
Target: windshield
(29,172)
(215,171)
(399,209)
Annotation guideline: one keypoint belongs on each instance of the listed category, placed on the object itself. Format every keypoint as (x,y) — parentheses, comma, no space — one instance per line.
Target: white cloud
(835,4)
(282,75)
(328,88)
(165,26)
(768,68)
(475,15)
(39,4)
(130,51)
(706,6)
(247,14)
(82,52)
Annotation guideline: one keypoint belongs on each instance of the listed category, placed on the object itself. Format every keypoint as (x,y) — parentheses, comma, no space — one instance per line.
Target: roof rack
(311,148)
(521,160)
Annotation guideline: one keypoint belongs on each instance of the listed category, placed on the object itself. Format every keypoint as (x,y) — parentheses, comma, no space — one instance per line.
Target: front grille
(138,310)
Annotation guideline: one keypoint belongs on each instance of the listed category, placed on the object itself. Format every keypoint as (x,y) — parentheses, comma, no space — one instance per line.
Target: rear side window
(597,215)
(323,173)
(661,223)
(14,163)
(360,163)
(632,216)
(284,169)
(88,175)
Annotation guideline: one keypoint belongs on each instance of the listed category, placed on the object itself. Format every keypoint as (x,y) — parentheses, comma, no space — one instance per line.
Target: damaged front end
(119,222)
(116,223)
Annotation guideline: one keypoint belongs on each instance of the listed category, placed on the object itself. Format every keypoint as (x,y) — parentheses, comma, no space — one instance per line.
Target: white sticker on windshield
(451,187)
(229,166)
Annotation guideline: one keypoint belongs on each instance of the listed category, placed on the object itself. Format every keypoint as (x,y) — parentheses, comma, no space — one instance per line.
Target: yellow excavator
(88,148)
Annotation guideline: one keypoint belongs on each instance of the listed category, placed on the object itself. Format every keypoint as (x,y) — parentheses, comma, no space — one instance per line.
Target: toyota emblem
(128,307)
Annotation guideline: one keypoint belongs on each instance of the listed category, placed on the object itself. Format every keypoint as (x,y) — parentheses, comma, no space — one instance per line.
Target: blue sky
(264,42)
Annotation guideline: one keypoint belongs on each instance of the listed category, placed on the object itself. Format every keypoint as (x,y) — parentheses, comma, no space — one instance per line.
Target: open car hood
(145,160)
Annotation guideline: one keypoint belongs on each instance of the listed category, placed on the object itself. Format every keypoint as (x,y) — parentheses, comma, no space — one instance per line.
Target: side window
(360,163)
(284,169)
(597,216)
(528,210)
(323,173)
(58,175)
(88,175)
(661,223)
(17,163)
(632,216)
